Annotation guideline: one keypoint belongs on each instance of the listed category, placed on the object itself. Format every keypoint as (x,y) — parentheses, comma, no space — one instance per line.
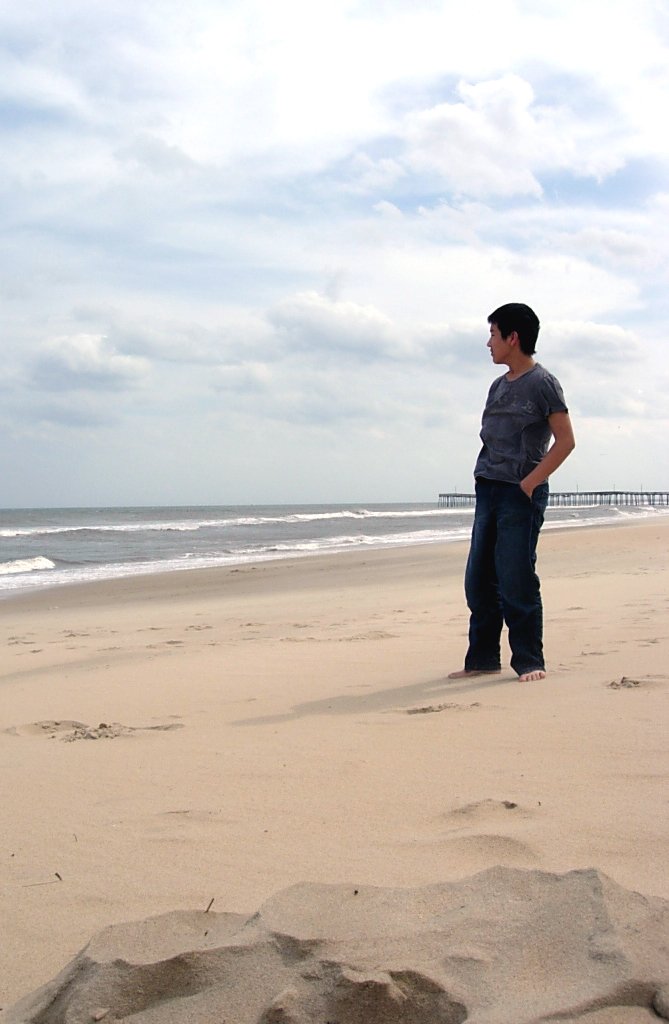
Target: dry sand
(221,735)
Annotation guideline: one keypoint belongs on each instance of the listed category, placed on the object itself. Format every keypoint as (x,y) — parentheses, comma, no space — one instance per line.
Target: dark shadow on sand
(398,699)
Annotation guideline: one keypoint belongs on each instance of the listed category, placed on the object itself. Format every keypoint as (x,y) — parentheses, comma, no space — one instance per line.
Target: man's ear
(513,338)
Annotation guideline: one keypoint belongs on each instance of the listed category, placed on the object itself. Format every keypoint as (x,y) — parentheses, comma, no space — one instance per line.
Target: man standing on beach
(525,408)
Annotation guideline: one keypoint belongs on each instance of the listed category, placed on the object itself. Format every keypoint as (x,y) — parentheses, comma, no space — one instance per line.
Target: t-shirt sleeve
(552,396)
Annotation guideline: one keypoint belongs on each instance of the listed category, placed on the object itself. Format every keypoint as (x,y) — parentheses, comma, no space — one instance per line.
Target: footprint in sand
(485,845)
(484,812)
(633,683)
(193,815)
(373,634)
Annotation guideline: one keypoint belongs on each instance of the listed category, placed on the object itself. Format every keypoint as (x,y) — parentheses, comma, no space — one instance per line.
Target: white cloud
(478,146)
(317,325)
(246,379)
(497,139)
(85,361)
(601,348)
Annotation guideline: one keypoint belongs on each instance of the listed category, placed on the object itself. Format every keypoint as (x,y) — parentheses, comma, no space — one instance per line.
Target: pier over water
(574,499)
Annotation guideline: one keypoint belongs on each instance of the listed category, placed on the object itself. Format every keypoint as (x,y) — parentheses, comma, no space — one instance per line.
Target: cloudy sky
(249,248)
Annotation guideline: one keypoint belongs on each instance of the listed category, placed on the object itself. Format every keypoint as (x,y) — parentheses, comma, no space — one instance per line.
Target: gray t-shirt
(514,428)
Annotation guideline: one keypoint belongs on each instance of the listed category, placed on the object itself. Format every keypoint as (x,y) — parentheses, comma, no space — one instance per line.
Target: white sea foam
(21,565)
(358,515)
(609,516)
(336,544)
(364,513)
(44,531)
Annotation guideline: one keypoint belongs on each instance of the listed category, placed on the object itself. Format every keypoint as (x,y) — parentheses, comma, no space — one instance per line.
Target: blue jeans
(501,583)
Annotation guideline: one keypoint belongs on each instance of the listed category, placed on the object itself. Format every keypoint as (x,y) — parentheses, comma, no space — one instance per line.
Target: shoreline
(148,582)
(291,721)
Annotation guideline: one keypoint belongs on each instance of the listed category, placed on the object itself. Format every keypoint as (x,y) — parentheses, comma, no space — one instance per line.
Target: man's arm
(563,445)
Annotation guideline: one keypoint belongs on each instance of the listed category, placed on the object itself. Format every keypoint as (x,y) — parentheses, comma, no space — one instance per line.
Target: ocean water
(48,547)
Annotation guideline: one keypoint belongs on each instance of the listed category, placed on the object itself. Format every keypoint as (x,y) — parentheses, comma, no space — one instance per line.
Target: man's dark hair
(516,316)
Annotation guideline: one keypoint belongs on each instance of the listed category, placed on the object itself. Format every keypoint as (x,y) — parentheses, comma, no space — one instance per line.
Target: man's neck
(519,364)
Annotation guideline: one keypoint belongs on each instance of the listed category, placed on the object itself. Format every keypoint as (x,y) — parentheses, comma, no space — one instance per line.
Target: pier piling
(575,499)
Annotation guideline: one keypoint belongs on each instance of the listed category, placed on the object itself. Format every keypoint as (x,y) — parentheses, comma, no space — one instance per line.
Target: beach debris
(50,881)
(103,731)
(210,904)
(661,1003)
(624,683)
(430,709)
(101,1013)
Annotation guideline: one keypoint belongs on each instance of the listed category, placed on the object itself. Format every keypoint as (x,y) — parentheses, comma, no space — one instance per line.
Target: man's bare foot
(464,673)
(528,677)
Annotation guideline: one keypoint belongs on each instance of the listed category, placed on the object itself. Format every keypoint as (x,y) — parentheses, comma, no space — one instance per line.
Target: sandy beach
(219,735)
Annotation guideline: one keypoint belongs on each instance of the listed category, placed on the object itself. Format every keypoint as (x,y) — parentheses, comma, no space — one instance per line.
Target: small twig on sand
(210,903)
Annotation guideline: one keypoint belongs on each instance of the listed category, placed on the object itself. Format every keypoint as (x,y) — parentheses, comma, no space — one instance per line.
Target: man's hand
(527,487)
(563,444)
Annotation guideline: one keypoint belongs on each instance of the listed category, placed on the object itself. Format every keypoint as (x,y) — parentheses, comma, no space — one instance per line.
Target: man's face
(499,346)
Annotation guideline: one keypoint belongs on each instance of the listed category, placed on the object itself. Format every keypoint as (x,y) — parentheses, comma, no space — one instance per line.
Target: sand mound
(502,947)
(69,731)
